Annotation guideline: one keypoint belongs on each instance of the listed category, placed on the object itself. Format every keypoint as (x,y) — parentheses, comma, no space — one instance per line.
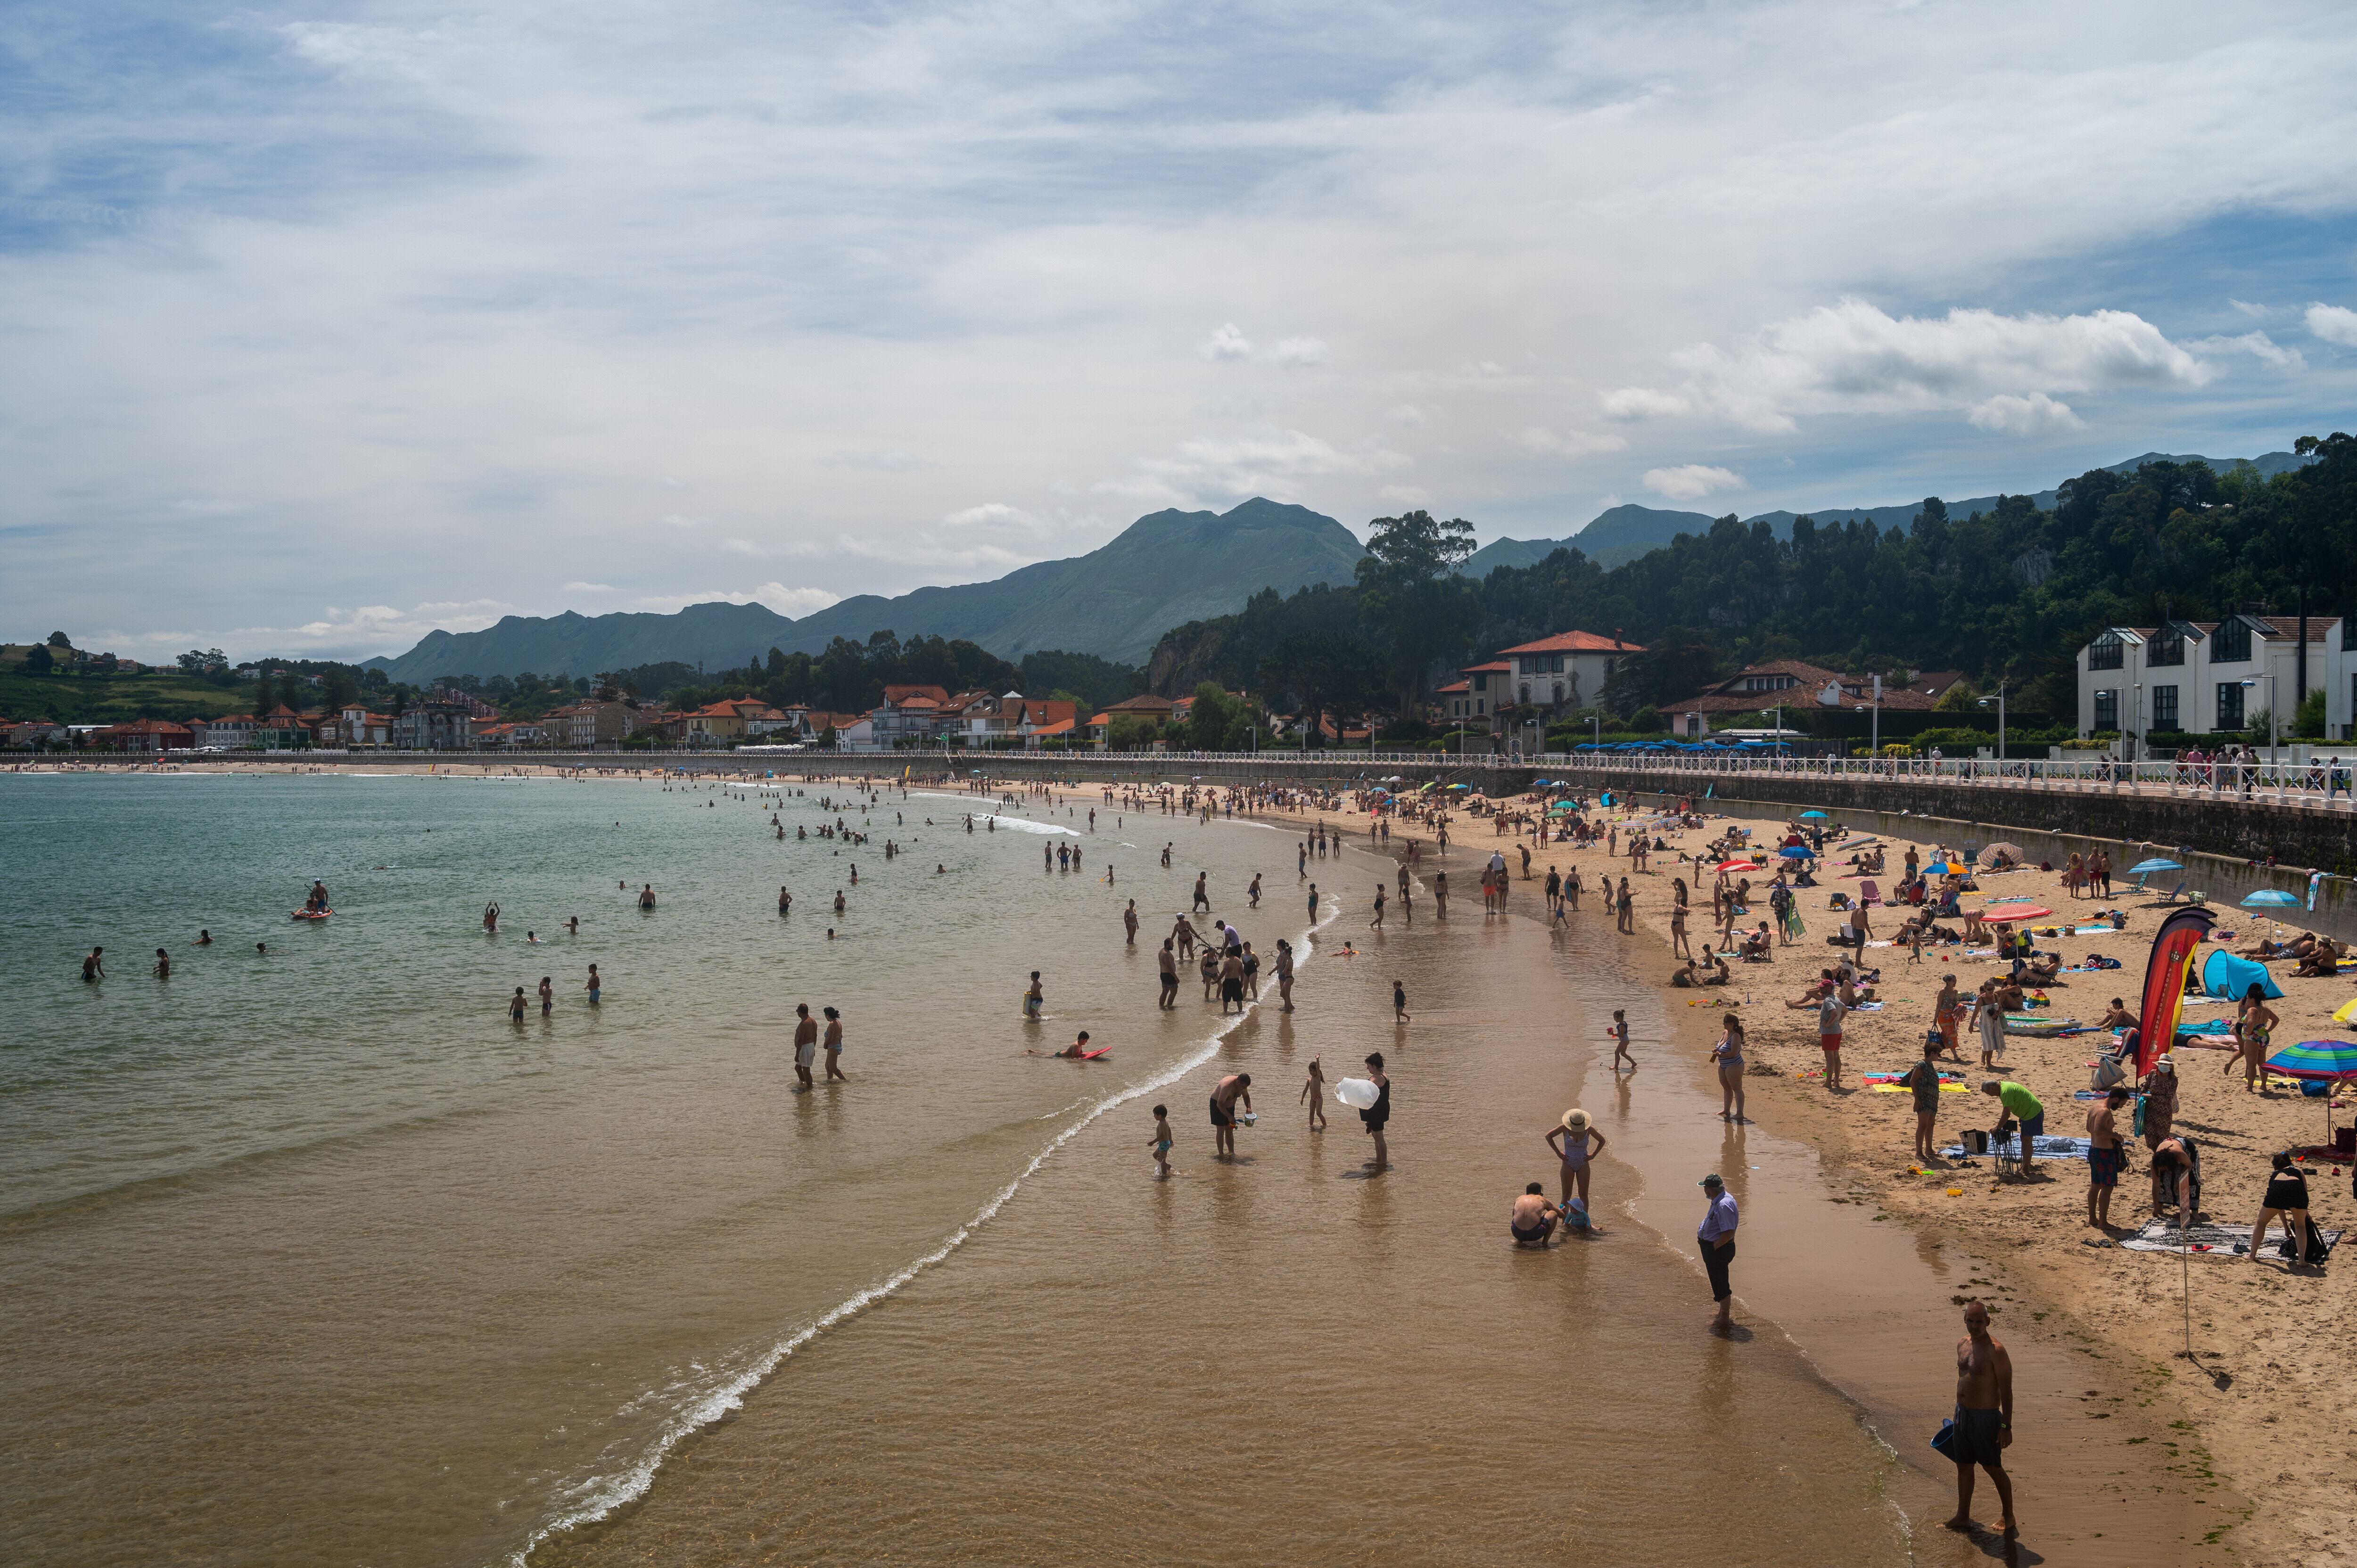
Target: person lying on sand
(2322,962)
(1815,993)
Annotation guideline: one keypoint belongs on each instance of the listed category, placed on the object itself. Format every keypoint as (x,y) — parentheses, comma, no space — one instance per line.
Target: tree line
(2011,594)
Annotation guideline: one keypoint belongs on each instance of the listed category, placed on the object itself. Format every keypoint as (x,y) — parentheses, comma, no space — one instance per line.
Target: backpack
(2318,1248)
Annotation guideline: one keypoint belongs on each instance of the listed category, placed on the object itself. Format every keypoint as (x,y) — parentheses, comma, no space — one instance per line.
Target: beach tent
(2223,974)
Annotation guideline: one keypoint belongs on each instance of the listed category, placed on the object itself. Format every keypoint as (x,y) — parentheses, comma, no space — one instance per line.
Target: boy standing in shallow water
(1162,1140)
(1313,1094)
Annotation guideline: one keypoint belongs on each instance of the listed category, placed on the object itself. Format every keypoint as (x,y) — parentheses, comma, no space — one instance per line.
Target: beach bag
(2139,1116)
(2317,1247)
(2109,1069)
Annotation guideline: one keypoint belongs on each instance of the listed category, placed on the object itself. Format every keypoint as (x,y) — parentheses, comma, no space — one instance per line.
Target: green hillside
(1164,570)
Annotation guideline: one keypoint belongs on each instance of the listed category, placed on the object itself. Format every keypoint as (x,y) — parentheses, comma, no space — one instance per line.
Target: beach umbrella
(1943,867)
(1737,865)
(1795,852)
(2001,848)
(2146,868)
(2327,1061)
(2270,899)
(1813,816)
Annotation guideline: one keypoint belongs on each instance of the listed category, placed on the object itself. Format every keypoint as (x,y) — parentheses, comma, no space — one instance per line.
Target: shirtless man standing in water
(1236,1085)
(1983,1417)
(806,1045)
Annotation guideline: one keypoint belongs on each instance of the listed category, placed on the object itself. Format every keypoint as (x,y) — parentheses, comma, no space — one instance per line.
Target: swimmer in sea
(1348,951)
(573,926)
(829,933)
(785,902)
(490,920)
(532,935)
(594,985)
(1077,1051)
(547,996)
(515,1007)
(93,967)
(834,1044)
(204,939)
(262,949)
(163,970)
(1035,998)
(839,905)
(647,896)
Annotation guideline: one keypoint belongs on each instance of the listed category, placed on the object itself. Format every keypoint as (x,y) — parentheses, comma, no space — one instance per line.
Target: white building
(1566,670)
(2204,677)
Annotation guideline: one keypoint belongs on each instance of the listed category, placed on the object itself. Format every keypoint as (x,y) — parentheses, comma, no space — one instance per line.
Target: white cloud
(2245,307)
(589,588)
(2259,346)
(1404,494)
(1642,402)
(1572,444)
(1691,481)
(1271,462)
(1409,416)
(996,514)
(1851,357)
(1297,351)
(1226,342)
(2036,414)
(679,520)
(2334,324)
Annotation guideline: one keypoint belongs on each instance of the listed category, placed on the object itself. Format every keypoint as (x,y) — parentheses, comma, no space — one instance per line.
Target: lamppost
(2000,724)
(2274,719)
(1775,736)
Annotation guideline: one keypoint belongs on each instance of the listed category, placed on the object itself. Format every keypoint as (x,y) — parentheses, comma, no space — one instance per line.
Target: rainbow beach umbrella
(2328,1061)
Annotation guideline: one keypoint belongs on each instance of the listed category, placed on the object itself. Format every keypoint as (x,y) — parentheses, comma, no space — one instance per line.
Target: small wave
(1022,825)
(604,1496)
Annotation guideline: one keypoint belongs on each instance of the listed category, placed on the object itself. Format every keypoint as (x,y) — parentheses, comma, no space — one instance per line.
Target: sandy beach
(2268,1370)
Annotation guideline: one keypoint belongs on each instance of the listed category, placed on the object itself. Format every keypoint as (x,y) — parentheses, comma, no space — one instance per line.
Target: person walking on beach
(1728,1055)
(834,1044)
(1984,1418)
(1628,908)
(805,1046)
(1313,903)
(1377,923)
(1829,1035)
(1399,1001)
(1378,1115)
(1169,961)
(1202,895)
(1988,1013)
(2107,1156)
(1284,973)
(1619,1033)
(1313,1094)
(1184,931)
(1440,895)
(1225,1095)
(1716,1236)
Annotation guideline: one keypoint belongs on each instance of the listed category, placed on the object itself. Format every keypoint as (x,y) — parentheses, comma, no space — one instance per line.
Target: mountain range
(1164,570)
(1624,532)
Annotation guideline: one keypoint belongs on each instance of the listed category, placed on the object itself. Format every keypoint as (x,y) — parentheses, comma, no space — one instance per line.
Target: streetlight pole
(2274,720)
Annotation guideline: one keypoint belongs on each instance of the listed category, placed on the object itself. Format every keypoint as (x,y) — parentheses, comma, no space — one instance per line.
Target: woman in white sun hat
(1575,1140)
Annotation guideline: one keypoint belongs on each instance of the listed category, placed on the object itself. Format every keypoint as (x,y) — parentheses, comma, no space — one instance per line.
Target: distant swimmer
(839,905)
(262,949)
(1129,918)
(163,969)
(547,996)
(204,939)
(515,1008)
(1348,951)
(573,926)
(805,1046)
(532,935)
(785,902)
(1166,855)
(1077,1051)
(594,986)
(490,920)
(940,870)
(834,1044)
(647,896)
(93,967)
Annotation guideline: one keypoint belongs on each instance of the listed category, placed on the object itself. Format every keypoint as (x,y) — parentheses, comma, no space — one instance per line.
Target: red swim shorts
(1829,1042)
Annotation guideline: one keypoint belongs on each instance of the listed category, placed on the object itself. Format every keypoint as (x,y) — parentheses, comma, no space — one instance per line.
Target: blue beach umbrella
(1813,816)
(2146,868)
(1795,852)
(2270,899)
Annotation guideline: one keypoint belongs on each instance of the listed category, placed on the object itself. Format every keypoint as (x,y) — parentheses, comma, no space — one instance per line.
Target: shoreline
(1880,1340)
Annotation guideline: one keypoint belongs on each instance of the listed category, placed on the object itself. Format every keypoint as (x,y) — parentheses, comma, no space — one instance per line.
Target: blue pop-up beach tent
(2223,974)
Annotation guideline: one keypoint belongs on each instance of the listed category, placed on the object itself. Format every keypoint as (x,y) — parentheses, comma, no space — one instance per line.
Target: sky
(323,325)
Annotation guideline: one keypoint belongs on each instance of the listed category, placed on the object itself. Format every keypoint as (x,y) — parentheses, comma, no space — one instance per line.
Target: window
(2167,648)
(1480,682)
(2107,709)
(1525,695)
(2106,652)
(1558,694)
(2230,704)
(2164,704)
(2231,643)
(2349,632)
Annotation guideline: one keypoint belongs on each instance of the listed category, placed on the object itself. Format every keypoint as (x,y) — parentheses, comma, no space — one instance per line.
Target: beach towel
(2045,1148)
(1945,1088)
(2207,1238)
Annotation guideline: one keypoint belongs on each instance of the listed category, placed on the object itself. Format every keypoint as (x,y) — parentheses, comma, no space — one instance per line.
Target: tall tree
(1410,590)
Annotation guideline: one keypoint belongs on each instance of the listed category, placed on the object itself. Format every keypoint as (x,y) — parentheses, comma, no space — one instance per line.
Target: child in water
(1313,1094)
(1035,998)
(1399,1003)
(1162,1140)
(1348,951)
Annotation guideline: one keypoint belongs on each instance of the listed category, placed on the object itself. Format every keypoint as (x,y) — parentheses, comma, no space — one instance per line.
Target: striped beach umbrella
(2330,1061)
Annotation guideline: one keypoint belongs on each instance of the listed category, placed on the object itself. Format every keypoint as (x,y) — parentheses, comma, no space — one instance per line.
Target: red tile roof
(1499,666)
(1576,642)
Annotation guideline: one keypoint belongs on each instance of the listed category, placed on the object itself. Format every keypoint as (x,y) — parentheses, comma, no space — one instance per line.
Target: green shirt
(2018,1102)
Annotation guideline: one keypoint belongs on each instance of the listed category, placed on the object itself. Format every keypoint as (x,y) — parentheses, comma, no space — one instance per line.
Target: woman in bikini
(2254,1024)
(1728,1055)
(1575,1140)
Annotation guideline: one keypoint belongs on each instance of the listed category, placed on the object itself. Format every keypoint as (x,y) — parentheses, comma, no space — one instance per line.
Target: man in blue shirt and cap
(1716,1234)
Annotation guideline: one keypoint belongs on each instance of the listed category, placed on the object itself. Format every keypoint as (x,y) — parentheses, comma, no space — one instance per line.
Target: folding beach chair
(1869,894)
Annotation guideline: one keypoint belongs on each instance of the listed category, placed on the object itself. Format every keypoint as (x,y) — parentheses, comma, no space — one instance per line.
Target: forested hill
(1166,568)
(1621,533)
(2011,590)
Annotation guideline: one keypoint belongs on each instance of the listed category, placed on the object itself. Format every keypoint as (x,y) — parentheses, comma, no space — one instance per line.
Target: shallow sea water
(313,1257)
